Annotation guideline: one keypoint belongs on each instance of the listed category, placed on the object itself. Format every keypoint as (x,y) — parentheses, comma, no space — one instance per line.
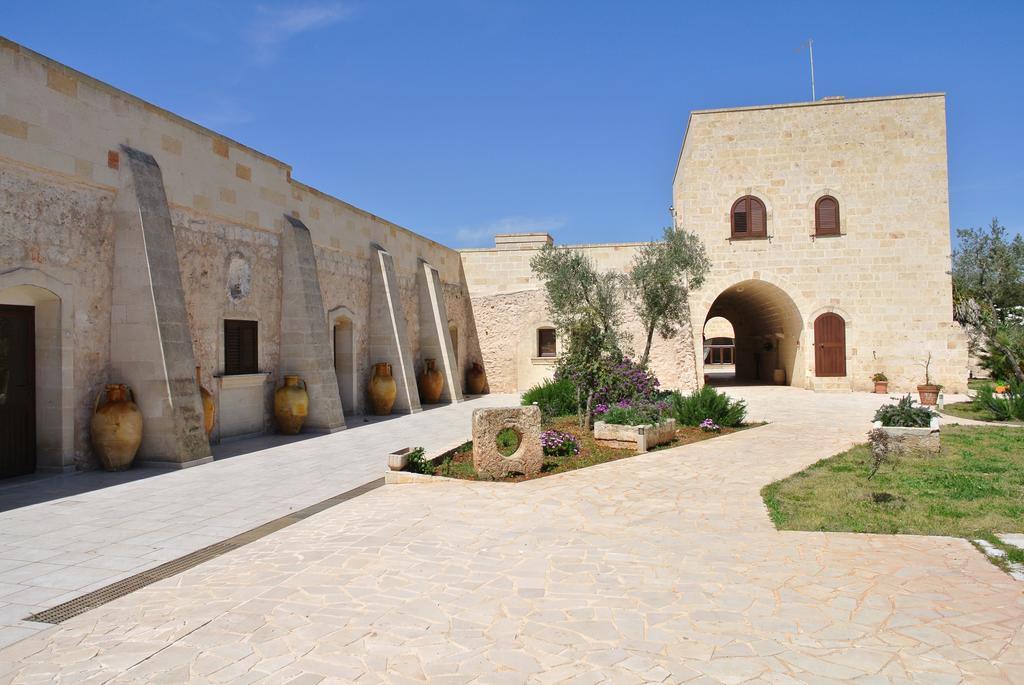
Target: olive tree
(660,281)
(585,307)
(988,295)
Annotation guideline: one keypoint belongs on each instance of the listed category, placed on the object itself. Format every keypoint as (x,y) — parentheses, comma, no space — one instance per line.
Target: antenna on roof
(810,48)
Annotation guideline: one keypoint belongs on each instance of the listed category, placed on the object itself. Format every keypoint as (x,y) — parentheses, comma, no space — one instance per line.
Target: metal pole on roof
(810,47)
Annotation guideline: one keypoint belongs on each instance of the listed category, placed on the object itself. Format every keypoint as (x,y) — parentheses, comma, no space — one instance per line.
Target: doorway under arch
(767,326)
(345,362)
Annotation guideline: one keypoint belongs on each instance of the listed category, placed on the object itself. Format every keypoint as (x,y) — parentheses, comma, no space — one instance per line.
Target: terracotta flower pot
(431,383)
(929,394)
(779,376)
(882,387)
(291,405)
(382,389)
(116,428)
(209,408)
(476,379)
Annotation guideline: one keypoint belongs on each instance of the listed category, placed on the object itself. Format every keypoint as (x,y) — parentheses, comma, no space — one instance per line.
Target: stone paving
(63,536)
(659,568)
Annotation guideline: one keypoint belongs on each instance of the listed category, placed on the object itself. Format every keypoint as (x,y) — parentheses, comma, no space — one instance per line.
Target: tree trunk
(590,408)
(579,406)
(647,348)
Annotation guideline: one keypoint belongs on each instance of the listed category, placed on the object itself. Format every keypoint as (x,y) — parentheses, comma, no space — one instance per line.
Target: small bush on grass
(555,398)
(1006,408)
(905,414)
(708,403)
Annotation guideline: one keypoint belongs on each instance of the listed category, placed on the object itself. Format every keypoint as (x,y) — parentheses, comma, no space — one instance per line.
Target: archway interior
(767,326)
(719,350)
(345,363)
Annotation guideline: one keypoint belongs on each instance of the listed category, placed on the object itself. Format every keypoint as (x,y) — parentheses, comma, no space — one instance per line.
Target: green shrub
(555,398)
(1011,406)
(417,462)
(905,414)
(631,415)
(708,403)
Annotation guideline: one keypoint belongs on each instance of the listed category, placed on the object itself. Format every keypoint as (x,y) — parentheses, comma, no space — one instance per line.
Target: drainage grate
(91,600)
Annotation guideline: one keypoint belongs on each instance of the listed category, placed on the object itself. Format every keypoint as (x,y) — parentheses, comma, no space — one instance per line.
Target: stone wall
(509,308)
(60,168)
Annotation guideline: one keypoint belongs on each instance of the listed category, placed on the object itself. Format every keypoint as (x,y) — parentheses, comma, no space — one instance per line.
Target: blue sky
(460,119)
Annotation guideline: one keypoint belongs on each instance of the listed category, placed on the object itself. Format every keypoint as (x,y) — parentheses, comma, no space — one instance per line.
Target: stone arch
(768,325)
(342,329)
(53,300)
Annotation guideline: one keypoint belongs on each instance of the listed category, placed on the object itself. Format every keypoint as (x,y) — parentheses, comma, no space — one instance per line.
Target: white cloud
(275,25)
(222,111)
(482,236)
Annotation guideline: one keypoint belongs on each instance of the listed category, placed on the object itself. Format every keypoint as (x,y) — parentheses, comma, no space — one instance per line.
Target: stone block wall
(60,163)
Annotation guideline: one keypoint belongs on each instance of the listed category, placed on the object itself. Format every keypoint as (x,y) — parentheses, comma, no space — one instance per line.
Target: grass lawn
(458,463)
(972,489)
(971,410)
(978,383)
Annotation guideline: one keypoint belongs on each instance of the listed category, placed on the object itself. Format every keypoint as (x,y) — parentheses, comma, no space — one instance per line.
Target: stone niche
(487,423)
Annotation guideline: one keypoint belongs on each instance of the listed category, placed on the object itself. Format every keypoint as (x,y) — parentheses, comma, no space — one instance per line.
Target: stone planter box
(641,438)
(398,460)
(921,439)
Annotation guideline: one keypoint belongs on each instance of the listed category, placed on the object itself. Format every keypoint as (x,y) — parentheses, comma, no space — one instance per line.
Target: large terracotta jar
(382,389)
(291,405)
(116,428)
(476,379)
(431,382)
(209,408)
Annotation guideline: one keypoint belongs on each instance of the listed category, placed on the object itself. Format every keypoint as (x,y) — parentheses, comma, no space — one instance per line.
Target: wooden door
(829,346)
(17,391)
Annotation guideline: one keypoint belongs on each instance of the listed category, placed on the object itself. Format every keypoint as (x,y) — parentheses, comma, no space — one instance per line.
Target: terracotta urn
(291,405)
(116,428)
(779,376)
(209,408)
(431,382)
(476,379)
(881,387)
(929,394)
(382,389)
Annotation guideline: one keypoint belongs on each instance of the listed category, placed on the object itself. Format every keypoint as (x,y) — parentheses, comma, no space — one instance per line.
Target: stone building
(136,246)
(827,224)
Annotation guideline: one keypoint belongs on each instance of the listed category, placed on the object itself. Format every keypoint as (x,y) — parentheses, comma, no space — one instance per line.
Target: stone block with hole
(503,422)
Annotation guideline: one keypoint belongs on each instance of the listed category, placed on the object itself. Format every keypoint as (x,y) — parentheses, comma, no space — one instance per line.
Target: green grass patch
(972,489)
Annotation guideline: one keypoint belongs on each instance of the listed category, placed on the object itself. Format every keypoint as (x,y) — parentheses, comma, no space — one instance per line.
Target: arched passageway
(719,350)
(766,329)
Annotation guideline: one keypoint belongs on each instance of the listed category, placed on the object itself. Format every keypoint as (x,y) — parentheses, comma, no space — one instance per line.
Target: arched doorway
(830,346)
(719,350)
(767,326)
(36,372)
(345,362)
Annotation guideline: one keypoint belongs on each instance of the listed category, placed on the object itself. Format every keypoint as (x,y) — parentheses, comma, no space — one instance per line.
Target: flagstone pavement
(659,568)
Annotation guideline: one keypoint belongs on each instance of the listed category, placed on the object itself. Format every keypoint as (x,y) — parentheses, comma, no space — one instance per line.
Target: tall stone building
(827,224)
(136,246)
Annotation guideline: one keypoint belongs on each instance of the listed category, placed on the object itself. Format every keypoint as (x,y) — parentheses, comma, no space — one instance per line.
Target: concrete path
(63,536)
(659,568)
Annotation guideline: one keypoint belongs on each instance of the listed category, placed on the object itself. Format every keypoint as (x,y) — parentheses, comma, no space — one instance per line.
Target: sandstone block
(487,423)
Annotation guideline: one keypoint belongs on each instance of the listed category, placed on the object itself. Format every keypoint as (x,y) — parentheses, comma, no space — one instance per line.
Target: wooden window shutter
(241,347)
(758,222)
(739,218)
(826,216)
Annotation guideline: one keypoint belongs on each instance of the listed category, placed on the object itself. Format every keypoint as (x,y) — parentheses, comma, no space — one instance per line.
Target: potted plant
(881,383)
(929,392)
(914,427)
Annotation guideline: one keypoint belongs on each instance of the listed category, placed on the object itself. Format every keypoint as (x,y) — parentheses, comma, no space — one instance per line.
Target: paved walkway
(659,568)
(63,536)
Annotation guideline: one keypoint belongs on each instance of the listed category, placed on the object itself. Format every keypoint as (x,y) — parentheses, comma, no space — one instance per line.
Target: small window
(826,216)
(749,218)
(241,347)
(546,342)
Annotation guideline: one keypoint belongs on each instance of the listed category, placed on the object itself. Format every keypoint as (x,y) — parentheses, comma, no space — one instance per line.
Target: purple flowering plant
(559,443)
(709,426)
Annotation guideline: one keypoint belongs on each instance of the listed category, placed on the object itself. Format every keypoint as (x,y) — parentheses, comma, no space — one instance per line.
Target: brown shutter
(826,216)
(758,223)
(739,217)
(241,347)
